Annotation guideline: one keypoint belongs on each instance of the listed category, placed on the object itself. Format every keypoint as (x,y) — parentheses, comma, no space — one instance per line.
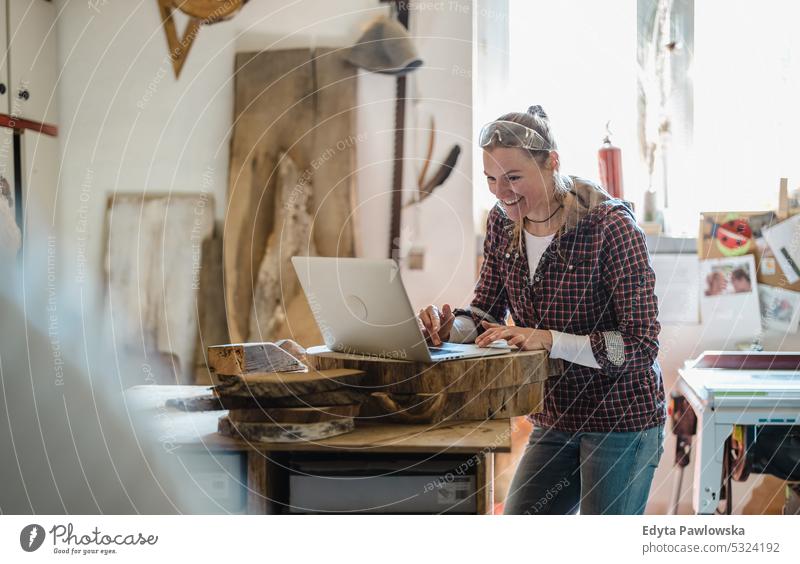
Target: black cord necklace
(545,219)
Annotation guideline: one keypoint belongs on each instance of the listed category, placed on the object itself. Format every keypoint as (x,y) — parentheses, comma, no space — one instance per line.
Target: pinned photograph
(729,296)
(728,276)
(784,239)
(780,308)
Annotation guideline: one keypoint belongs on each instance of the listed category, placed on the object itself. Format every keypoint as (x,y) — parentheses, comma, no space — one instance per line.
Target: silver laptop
(361,307)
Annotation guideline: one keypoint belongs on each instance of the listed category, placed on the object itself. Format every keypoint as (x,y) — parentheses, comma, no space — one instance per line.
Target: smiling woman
(571,265)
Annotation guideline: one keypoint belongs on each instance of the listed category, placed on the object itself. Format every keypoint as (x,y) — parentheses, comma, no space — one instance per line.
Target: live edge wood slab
(495,387)
(198,429)
(411,377)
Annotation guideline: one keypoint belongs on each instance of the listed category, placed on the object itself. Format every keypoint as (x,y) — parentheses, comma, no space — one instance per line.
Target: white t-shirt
(573,348)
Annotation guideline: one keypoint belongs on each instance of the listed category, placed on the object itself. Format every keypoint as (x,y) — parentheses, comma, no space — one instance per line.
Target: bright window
(577,58)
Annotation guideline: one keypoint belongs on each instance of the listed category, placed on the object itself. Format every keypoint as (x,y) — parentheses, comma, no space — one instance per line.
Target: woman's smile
(512,200)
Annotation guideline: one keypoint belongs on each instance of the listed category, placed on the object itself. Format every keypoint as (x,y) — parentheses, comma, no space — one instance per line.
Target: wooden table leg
(256,482)
(485,483)
(490,468)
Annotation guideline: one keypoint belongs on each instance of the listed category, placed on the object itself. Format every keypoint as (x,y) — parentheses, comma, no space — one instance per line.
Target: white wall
(128,125)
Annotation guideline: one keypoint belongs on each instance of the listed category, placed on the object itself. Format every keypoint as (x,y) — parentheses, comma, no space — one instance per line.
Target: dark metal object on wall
(403,12)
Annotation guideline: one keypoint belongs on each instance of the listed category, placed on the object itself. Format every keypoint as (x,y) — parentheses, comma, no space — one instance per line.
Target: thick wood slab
(285,432)
(295,414)
(342,396)
(248,358)
(503,371)
(494,403)
(213,402)
(282,384)
(198,430)
(206,402)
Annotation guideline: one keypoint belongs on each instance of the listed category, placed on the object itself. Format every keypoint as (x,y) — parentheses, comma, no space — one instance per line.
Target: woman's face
(517,181)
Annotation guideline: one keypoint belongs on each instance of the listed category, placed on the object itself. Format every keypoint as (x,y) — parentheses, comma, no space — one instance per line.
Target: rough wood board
(210,305)
(282,384)
(342,396)
(287,101)
(211,402)
(198,430)
(152,260)
(493,403)
(285,432)
(294,414)
(335,153)
(299,323)
(276,281)
(247,358)
(502,371)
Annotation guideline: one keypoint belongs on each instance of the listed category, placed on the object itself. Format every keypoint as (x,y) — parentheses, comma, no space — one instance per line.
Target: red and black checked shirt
(594,279)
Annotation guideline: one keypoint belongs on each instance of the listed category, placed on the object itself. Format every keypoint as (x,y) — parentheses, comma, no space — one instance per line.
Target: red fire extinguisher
(609,158)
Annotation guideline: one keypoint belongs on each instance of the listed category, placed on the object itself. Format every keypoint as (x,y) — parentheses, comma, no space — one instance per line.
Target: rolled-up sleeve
(491,299)
(629,278)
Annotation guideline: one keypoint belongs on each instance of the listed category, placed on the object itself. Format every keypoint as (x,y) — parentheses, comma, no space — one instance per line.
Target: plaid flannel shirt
(594,279)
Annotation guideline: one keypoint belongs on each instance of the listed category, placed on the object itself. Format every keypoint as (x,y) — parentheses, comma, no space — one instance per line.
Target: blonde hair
(536,119)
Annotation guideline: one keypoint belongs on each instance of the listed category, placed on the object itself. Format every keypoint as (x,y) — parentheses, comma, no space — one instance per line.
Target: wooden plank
(387,375)
(247,358)
(281,384)
(302,102)
(334,153)
(213,402)
(213,326)
(342,396)
(285,432)
(493,403)
(199,430)
(294,414)
(159,262)
(271,111)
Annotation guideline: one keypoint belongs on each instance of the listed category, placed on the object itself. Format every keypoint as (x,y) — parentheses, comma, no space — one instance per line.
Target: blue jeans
(598,473)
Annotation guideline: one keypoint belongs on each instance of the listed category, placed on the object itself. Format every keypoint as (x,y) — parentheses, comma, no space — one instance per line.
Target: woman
(571,265)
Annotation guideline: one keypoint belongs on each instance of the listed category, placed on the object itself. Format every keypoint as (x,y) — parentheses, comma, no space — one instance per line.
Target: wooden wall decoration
(152,265)
(200,12)
(293,124)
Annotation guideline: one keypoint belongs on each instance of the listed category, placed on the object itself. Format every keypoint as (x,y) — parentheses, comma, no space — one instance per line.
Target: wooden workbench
(267,486)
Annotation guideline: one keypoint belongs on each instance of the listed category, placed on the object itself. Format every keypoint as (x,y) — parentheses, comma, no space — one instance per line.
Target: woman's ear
(552,161)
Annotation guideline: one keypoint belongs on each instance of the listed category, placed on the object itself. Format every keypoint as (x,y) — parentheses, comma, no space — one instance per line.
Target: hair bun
(537,111)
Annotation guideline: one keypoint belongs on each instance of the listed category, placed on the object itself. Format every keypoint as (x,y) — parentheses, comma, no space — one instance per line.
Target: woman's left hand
(525,338)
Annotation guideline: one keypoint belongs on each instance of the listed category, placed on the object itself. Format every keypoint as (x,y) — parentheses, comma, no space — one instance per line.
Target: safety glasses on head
(513,134)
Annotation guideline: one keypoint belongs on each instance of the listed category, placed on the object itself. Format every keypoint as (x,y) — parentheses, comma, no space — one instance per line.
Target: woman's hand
(436,324)
(523,337)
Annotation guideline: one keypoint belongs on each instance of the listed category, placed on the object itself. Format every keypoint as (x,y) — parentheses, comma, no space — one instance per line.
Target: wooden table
(266,477)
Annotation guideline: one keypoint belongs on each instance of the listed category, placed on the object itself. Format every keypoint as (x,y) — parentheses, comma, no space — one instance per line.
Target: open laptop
(361,307)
